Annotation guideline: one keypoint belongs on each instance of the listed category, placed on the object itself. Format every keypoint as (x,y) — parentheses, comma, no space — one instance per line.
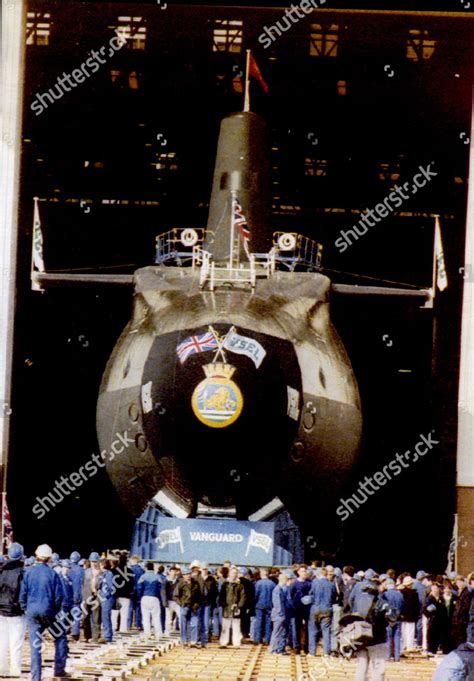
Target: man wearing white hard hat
(411,611)
(12,622)
(41,597)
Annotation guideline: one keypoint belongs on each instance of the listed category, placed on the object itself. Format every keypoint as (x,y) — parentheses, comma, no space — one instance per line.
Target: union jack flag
(241,222)
(202,343)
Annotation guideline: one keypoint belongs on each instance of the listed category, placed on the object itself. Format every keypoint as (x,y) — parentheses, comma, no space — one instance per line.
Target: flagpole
(232,228)
(431,305)
(247,84)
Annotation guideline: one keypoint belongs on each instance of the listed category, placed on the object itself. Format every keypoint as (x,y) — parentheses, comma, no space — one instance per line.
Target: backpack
(354,636)
(356,632)
(10,580)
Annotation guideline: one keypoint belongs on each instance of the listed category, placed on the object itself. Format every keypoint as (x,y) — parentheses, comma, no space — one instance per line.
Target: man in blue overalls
(106,591)
(263,608)
(76,575)
(279,616)
(135,609)
(41,597)
(323,596)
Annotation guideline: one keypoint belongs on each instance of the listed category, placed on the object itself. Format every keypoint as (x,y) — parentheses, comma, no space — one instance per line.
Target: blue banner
(242,542)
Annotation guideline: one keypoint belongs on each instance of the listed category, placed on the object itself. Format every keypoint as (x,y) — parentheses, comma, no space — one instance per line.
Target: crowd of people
(288,609)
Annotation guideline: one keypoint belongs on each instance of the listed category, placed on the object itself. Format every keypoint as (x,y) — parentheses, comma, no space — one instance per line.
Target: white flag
(166,537)
(441,276)
(452,550)
(293,403)
(38,262)
(260,541)
(147,400)
(245,346)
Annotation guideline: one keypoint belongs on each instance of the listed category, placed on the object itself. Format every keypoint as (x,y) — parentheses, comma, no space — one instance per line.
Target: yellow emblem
(217,401)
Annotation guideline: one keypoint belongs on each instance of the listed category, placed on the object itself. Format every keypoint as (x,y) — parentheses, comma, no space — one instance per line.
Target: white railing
(296,250)
(179,245)
(185,247)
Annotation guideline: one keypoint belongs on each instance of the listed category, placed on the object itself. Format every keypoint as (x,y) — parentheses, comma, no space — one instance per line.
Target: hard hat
(55,558)
(66,563)
(195,564)
(94,557)
(75,557)
(44,551)
(15,551)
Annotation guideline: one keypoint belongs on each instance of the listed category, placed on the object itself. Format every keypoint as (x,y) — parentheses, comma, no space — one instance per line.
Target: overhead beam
(354,290)
(58,278)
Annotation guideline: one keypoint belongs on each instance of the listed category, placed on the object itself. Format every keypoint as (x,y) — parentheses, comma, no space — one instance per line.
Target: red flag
(256,73)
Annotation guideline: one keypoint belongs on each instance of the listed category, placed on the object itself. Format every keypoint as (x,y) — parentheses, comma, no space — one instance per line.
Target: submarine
(229,389)
(230,380)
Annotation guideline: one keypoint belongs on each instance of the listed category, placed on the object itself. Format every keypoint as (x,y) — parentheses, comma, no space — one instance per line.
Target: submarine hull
(269,407)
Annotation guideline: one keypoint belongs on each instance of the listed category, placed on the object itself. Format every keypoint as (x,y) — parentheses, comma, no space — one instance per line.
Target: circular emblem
(217,402)
(189,237)
(287,242)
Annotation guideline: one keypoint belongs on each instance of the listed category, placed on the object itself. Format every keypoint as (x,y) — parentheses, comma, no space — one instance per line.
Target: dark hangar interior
(358,100)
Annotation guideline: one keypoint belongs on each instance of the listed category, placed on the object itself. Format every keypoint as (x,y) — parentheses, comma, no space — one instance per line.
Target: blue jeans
(189,625)
(278,639)
(301,613)
(419,631)
(319,624)
(35,631)
(262,622)
(291,629)
(394,633)
(210,613)
(107,607)
(77,617)
(216,627)
(202,625)
(135,610)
